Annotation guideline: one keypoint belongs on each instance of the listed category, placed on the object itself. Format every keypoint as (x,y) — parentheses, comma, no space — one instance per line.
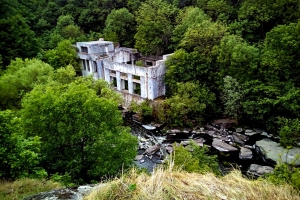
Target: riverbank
(176,184)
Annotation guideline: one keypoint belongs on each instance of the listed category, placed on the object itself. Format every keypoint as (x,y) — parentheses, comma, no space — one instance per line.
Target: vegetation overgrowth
(237,59)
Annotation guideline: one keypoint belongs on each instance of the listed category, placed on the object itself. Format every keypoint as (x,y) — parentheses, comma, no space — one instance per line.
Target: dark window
(88,65)
(149,63)
(95,65)
(84,49)
(137,88)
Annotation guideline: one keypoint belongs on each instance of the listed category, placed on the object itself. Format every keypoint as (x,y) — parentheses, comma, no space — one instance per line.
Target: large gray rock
(259,170)
(245,154)
(152,150)
(272,150)
(222,146)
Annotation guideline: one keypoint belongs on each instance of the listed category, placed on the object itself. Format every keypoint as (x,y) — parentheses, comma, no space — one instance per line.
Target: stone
(236,139)
(259,170)
(250,132)
(245,154)
(169,149)
(209,127)
(138,157)
(186,131)
(175,131)
(200,141)
(185,143)
(222,146)
(238,130)
(273,151)
(149,127)
(151,150)
(242,137)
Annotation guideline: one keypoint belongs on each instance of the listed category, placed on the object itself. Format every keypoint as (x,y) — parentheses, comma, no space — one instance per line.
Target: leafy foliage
(289,132)
(189,103)
(154,27)
(119,27)
(21,77)
(232,96)
(19,156)
(82,128)
(194,158)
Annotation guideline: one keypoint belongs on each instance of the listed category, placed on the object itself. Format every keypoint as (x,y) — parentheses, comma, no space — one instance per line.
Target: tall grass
(22,188)
(176,184)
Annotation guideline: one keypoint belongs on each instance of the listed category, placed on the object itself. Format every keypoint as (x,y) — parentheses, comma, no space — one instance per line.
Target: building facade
(136,77)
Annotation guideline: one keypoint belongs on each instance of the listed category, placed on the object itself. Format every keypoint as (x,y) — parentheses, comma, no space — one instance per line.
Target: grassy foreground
(176,184)
(25,187)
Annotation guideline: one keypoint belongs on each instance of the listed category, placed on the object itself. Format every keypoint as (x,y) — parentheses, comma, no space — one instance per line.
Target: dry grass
(25,187)
(176,184)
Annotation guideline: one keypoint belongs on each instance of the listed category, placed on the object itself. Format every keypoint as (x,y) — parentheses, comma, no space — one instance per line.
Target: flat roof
(96,42)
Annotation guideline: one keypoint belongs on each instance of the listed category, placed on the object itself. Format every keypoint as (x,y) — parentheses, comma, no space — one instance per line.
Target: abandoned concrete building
(136,77)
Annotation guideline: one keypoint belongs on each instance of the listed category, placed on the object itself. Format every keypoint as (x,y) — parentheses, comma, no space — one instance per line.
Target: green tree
(120,27)
(16,39)
(187,105)
(232,97)
(19,156)
(80,128)
(64,54)
(238,59)
(20,77)
(187,18)
(280,56)
(155,19)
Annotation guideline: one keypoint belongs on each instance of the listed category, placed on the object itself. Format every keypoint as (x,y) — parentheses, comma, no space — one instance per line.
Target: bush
(283,174)
(289,132)
(144,109)
(194,158)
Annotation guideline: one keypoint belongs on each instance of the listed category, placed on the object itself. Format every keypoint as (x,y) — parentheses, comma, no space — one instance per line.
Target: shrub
(289,132)
(194,158)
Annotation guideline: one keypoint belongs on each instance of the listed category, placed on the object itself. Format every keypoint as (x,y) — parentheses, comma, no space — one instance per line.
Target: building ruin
(136,77)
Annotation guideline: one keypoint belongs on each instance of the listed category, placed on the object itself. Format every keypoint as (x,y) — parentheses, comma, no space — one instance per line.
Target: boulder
(222,146)
(200,141)
(138,157)
(273,151)
(259,170)
(242,137)
(238,130)
(236,139)
(250,132)
(245,154)
(152,150)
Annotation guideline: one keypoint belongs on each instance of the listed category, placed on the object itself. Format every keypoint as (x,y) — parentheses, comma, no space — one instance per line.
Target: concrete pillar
(100,69)
(106,75)
(143,87)
(118,80)
(130,84)
(150,89)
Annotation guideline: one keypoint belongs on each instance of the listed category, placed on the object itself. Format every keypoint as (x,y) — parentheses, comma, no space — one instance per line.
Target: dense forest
(231,58)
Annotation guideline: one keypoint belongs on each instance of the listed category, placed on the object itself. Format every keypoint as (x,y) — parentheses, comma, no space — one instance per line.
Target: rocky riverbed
(252,150)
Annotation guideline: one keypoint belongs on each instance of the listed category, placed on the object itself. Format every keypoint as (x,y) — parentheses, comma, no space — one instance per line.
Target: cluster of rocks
(154,145)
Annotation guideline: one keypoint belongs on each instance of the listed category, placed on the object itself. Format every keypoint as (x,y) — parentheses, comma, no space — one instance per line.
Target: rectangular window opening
(84,49)
(137,88)
(95,65)
(88,65)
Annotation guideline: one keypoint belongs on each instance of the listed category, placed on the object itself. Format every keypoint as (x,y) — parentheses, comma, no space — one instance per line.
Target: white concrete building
(118,66)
